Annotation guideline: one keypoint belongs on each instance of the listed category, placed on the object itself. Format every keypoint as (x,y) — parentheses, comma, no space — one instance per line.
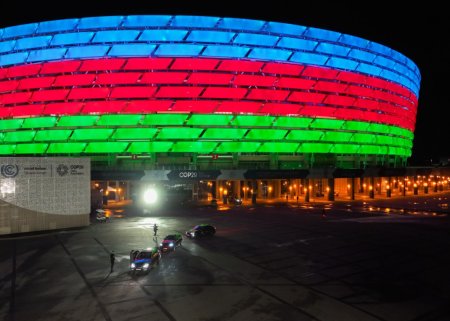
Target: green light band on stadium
(222,134)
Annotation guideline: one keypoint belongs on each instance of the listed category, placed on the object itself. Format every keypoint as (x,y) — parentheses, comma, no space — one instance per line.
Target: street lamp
(245,189)
(307,193)
(225,193)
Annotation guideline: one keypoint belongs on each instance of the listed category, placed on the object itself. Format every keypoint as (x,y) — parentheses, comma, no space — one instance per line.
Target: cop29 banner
(198,175)
(53,185)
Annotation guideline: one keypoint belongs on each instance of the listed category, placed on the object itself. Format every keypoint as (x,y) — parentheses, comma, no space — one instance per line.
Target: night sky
(417,32)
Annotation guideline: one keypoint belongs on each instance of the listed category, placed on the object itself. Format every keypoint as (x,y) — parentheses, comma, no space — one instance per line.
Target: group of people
(112,256)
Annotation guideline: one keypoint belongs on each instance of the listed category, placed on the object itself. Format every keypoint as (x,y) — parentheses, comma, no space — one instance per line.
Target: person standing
(112,258)
(132,255)
(155,229)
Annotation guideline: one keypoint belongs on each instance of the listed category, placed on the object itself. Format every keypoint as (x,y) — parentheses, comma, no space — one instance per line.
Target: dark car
(144,260)
(170,242)
(201,231)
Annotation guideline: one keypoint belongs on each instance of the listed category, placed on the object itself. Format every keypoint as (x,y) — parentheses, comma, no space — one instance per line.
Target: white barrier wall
(43,193)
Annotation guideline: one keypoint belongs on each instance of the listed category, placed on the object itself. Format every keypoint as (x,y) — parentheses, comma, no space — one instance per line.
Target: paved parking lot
(357,262)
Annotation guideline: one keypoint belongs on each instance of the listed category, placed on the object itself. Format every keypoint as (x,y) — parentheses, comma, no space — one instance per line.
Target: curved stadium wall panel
(206,85)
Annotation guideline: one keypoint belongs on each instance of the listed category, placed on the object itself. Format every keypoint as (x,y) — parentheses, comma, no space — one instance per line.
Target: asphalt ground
(387,259)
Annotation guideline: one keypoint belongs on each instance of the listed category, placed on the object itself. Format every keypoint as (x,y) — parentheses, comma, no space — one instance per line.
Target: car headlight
(146,265)
(133,265)
(160,244)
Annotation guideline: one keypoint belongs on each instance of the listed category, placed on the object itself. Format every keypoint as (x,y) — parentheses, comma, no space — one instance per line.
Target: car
(236,201)
(171,242)
(201,230)
(102,216)
(144,260)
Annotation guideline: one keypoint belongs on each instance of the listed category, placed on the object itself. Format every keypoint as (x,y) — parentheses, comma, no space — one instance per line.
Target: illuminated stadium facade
(204,93)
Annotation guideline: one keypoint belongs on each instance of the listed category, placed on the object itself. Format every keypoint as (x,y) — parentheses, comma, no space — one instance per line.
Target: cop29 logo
(9,171)
(62,169)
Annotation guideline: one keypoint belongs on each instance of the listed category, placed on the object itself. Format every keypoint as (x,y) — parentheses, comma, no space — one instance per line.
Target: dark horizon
(417,33)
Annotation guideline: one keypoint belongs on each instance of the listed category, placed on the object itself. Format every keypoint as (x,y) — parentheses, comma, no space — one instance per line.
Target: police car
(171,242)
(144,260)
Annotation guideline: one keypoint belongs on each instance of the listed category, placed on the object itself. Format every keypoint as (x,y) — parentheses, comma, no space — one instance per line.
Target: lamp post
(225,193)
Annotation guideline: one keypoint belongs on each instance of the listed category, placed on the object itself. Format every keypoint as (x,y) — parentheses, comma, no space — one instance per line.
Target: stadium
(209,101)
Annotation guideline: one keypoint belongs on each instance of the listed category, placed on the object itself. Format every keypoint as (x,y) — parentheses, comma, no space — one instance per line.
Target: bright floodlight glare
(150,196)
